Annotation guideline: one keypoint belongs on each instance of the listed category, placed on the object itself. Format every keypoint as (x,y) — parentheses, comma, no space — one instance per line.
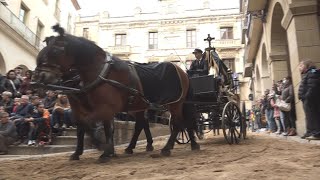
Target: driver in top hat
(198,67)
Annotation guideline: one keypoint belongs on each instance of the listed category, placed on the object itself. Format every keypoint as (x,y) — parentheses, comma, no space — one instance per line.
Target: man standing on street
(309,95)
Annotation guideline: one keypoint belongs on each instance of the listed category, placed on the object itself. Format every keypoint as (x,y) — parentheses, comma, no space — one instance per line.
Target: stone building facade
(24,24)
(170,32)
(278,35)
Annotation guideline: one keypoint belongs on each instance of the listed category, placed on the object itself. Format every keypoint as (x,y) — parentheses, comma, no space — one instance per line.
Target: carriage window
(85,33)
(121,39)
(153,40)
(226,33)
(23,13)
(230,63)
(191,38)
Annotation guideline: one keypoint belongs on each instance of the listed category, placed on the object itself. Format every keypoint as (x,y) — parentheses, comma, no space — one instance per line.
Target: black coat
(9,87)
(199,67)
(310,85)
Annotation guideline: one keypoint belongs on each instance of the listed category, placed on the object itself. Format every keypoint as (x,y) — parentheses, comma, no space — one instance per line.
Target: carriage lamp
(236,84)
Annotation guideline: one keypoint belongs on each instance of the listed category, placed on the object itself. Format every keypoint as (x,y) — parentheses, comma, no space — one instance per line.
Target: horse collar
(103,73)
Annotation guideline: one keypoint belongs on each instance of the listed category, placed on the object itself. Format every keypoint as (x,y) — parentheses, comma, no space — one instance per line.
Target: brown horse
(107,83)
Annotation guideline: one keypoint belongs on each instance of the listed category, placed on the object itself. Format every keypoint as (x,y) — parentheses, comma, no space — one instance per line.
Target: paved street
(260,157)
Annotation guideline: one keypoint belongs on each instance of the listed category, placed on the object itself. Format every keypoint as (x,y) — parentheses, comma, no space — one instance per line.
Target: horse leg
(109,147)
(165,151)
(137,130)
(194,144)
(147,132)
(80,143)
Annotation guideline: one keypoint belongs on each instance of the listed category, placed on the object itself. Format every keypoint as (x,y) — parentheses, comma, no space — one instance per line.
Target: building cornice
(165,21)
(299,8)
(18,38)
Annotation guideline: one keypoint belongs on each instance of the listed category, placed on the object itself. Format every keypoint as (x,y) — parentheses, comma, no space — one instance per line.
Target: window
(230,63)
(69,23)
(57,10)
(121,39)
(153,40)
(191,38)
(23,13)
(39,33)
(85,33)
(226,33)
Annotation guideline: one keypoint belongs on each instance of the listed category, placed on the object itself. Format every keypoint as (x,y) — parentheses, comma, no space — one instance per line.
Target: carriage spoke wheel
(200,127)
(182,137)
(232,123)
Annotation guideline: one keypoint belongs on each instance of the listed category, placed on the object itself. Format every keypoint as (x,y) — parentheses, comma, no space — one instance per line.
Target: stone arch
(279,55)
(278,33)
(3,70)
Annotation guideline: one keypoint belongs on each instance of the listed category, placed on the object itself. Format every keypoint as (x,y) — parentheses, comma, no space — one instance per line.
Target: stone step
(68,140)
(70,132)
(122,134)
(38,150)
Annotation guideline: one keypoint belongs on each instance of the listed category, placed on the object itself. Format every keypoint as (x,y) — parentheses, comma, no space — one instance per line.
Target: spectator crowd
(275,110)
(29,116)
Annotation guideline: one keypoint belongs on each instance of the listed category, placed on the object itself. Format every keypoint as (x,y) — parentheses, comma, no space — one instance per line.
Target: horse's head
(52,60)
(64,53)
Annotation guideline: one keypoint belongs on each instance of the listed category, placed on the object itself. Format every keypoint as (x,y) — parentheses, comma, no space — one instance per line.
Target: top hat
(197,51)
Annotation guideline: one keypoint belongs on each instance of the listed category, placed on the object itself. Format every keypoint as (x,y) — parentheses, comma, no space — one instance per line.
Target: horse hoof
(128,151)
(149,148)
(74,157)
(165,152)
(103,159)
(195,147)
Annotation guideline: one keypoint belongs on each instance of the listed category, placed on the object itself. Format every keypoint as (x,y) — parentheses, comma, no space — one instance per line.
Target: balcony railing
(14,22)
(227,43)
(119,49)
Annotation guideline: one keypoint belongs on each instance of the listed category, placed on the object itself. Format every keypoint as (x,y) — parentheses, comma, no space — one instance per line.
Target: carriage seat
(204,88)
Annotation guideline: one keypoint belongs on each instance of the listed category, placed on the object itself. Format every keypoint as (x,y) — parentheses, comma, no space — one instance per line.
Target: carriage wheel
(182,137)
(232,123)
(200,126)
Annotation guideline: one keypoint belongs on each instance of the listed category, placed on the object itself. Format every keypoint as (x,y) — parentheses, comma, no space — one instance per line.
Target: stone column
(302,25)
(279,66)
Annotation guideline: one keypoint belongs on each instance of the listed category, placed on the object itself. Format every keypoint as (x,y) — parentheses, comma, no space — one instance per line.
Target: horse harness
(132,88)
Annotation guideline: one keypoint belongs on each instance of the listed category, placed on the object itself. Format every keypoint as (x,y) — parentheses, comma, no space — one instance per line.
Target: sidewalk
(288,138)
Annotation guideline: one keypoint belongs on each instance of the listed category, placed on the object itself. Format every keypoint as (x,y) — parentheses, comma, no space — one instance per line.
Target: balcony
(17,26)
(227,43)
(254,33)
(256,5)
(119,50)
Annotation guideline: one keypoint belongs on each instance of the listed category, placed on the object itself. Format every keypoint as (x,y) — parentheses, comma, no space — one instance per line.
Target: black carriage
(216,103)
